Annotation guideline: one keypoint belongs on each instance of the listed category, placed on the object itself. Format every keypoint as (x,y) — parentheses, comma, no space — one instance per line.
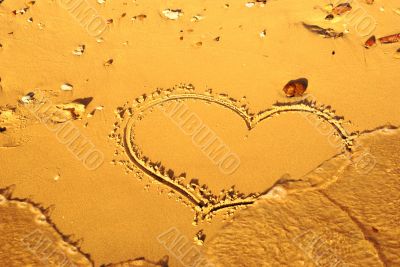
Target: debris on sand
(140,17)
(66,87)
(341,9)
(20,11)
(326,33)
(263,33)
(84,101)
(69,111)
(296,87)
(79,50)
(250,4)
(141,262)
(397,54)
(172,14)
(370,42)
(253,3)
(389,39)
(108,62)
(28,98)
(196,18)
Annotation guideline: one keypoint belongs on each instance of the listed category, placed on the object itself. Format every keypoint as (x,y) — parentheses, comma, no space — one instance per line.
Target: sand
(101,140)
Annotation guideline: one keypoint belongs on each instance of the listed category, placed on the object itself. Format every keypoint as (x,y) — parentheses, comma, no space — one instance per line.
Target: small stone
(140,17)
(249,4)
(28,98)
(66,87)
(263,33)
(79,50)
(330,17)
(109,62)
(196,18)
(172,14)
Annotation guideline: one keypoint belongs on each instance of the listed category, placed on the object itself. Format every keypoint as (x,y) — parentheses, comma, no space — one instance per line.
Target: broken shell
(66,87)
(341,9)
(196,18)
(330,17)
(295,87)
(172,14)
(250,4)
(26,99)
(394,38)
(109,62)
(370,42)
(79,50)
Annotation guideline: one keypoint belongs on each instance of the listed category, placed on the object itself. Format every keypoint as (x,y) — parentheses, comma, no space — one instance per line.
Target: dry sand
(141,181)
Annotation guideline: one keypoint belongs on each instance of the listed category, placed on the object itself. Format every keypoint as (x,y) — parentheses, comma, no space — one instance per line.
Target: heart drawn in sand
(204,202)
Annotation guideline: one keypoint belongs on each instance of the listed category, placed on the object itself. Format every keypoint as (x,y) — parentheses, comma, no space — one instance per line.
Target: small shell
(295,87)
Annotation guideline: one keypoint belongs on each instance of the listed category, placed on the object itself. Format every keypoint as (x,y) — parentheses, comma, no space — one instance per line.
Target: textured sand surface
(350,219)
(29,239)
(77,133)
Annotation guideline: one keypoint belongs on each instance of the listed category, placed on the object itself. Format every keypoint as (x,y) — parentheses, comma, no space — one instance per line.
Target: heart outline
(202,205)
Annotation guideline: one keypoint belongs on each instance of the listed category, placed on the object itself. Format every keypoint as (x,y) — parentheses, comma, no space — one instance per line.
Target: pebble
(26,99)
(172,14)
(66,87)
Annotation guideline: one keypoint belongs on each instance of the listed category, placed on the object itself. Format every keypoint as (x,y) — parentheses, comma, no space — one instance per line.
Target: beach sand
(100,123)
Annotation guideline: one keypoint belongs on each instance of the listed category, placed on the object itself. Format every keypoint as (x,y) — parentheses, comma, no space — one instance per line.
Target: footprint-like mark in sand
(200,198)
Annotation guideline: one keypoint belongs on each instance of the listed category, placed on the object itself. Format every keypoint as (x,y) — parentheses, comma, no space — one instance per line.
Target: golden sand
(102,106)
(335,216)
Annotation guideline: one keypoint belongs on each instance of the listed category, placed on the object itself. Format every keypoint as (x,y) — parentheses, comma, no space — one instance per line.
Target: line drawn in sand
(204,202)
